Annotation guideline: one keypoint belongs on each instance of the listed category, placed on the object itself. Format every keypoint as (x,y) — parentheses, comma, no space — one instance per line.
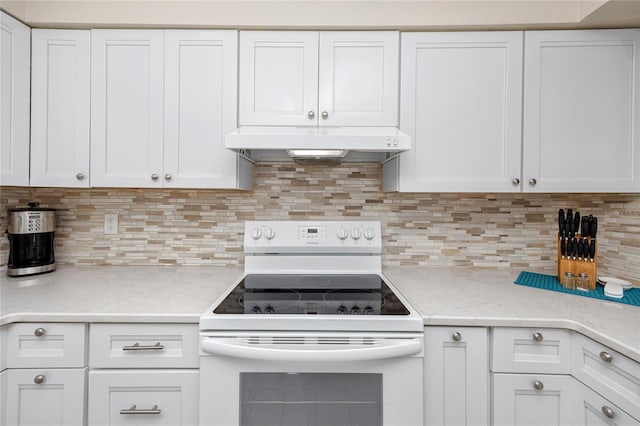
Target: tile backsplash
(205,227)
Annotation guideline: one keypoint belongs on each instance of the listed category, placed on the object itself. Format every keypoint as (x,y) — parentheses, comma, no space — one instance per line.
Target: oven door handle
(382,349)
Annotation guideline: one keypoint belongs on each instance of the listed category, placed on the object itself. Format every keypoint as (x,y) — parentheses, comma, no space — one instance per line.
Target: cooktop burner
(317,294)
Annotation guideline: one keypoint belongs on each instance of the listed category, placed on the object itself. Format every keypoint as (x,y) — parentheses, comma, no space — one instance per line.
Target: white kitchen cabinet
(306,78)
(461,103)
(3,397)
(456,376)
(161,104)
(581,101)
(591,409)
(14,101)
(60,107)
(43,397)
(532,399)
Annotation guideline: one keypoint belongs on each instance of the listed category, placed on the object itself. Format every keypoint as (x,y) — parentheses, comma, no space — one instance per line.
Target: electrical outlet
(110,223)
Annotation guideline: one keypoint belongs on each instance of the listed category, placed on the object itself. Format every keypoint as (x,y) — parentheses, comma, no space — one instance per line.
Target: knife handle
(585,227)
(563,246)
(569,226)
(592,250)
(594,227)
(574,245)
(585,249)
(569,247)
(576,221)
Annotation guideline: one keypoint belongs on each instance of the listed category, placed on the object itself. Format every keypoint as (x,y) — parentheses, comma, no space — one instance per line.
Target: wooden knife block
(578,266)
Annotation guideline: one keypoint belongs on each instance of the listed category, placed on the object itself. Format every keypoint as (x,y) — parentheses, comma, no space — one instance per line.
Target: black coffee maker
(30,234)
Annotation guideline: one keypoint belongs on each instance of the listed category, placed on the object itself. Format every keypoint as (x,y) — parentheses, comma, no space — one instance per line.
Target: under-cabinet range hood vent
(318,144)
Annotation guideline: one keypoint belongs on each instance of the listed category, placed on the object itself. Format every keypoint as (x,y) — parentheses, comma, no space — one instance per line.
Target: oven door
(298,379)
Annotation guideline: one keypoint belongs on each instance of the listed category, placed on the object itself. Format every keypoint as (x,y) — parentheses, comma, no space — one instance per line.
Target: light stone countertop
(444,296)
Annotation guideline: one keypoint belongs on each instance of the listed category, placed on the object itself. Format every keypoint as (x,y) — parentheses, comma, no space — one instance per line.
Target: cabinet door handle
(138,347)
(325,114)
(537,337)
(79,176)
(538,385)
(39,332)
(39,379)
(167,176)
(134,410)
(606,356)
(311,114)
(154,176)
(456,336)
(515,181)
(607,411)
(533,181)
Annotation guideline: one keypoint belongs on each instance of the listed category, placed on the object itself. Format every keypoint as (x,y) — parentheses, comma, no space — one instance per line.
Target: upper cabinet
(14,101)
(461,103)
(161,102)
(307,78)
(581,111)
(60,102)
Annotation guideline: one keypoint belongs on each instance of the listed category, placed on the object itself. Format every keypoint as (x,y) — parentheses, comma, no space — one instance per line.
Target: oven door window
(306,399)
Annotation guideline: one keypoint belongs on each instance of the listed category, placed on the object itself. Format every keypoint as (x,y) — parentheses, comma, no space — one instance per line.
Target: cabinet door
(46,397)
(591,409)
(126,108)
(581,118)
(169,397)
(60,102)
(14,101)
(200,108)
(358,78)
(278,78)
(523,399)
(456,376)
(461,99)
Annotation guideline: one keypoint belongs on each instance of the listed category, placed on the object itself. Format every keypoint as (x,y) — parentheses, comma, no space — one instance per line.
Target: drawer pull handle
(134,410)
(39,332)
(137,347)
(537,337)
(456,336)
(608,412)
(605,356)
(39,379)
(538,385)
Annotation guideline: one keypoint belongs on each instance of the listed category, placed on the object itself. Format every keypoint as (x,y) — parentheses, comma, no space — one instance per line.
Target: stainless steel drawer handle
(537,337)
(538,385)
(606,356)
(134,410)
(39,332)
(39,379)
(138,347)
(456,336)
(608,412)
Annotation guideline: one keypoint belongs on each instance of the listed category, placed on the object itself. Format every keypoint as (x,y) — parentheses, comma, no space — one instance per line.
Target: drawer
(165,397)
(144,346)
(46,345)
(531,350)
(589,408)
(609,373)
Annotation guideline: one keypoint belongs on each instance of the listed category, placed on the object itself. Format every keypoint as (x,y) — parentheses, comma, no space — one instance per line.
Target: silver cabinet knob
(324,115)
(311,114)
(456,336)
(515,181)
(39,379)
(538,385)
(533,181)
(167,176)
(537,337)
(39,332)
(606,356)
(79,176)
(607,411)
(154,176)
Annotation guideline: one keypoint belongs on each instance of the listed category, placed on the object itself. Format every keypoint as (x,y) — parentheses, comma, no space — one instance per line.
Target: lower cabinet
(589,408)
(456,376)
(531,399)
(144,397)
(43,397)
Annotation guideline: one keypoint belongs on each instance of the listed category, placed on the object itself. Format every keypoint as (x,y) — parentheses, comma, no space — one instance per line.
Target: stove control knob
(269,233)
(256,310)
(368,310)
(355,310)
(256,233)
(269,310)
(342,310)
(369,234)
(342,233)
(355,234)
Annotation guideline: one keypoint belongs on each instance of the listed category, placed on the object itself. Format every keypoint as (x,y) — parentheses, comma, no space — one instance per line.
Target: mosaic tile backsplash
(205,227)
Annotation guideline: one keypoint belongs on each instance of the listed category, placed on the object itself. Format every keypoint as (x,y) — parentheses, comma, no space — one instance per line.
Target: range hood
(313,143)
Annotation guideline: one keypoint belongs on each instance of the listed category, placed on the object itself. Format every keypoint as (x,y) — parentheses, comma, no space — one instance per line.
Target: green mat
(550,282)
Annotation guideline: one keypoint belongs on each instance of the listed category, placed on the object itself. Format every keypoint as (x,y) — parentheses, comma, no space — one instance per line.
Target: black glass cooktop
(353,294)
